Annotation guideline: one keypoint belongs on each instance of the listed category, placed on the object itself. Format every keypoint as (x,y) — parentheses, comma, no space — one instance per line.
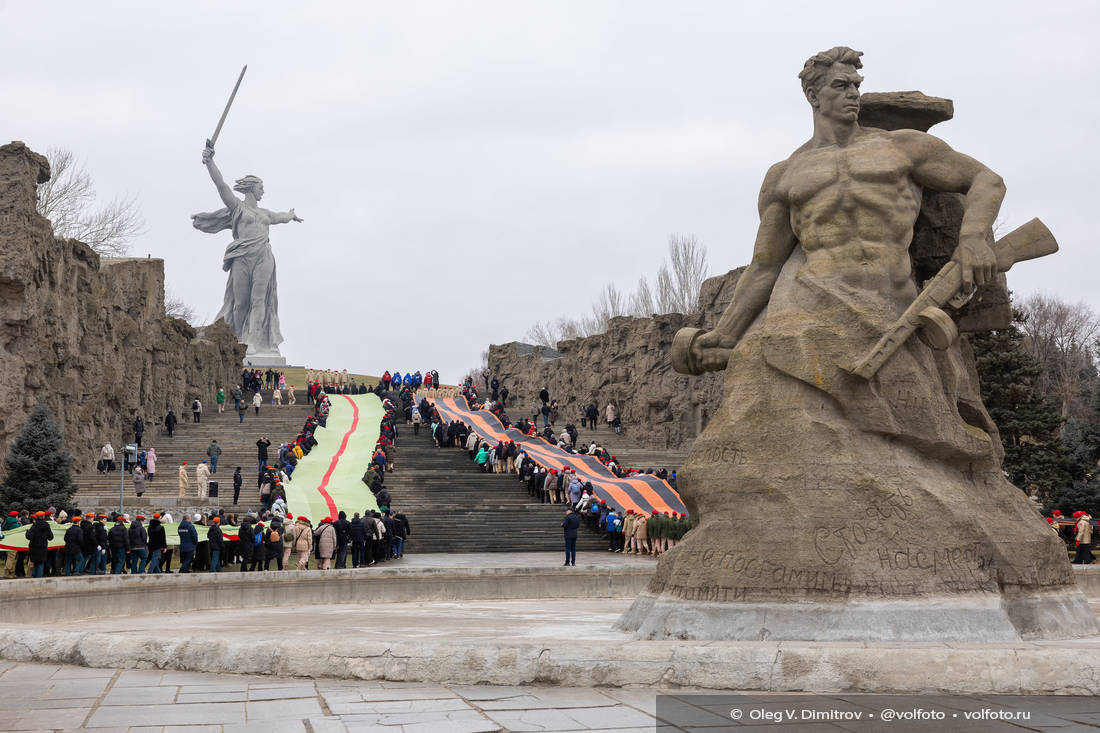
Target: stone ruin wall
(89,335)
(630,363)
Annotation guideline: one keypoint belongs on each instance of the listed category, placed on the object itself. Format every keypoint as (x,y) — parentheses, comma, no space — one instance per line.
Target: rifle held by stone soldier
(925,317)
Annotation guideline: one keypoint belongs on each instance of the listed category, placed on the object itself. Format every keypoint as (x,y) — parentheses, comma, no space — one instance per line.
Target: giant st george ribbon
(642,493)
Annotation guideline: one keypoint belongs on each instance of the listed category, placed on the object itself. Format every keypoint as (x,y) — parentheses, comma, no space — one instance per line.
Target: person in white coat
(202,478)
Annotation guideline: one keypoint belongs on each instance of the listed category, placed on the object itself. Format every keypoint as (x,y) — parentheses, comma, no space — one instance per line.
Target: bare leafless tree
(674,290)
(1062,337)
(177,307)
(543,334)
(68,200)
(683,274)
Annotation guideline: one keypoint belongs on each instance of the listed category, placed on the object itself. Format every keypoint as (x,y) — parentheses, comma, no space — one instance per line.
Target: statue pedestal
(264,360)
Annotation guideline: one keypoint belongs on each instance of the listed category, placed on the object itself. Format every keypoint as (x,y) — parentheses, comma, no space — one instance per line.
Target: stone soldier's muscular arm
(774,242)
(937,166)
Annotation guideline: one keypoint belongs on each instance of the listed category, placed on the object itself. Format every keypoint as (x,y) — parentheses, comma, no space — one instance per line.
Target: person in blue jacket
(189,542)
(396,383)
(610,523)
(418,380)
(408,380)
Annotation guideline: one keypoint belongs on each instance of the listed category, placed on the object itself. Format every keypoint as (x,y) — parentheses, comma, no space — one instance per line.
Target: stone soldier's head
(830,81)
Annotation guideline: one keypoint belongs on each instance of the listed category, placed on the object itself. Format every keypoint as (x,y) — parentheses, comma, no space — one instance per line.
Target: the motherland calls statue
(251,306)
(850,484)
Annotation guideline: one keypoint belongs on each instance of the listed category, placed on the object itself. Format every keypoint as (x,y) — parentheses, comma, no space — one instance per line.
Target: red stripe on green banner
(336,458)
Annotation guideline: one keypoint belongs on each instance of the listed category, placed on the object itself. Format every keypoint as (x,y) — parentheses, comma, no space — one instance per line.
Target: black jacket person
(118,539)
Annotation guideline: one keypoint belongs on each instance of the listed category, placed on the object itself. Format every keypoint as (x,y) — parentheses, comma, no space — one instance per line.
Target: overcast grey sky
(466,169)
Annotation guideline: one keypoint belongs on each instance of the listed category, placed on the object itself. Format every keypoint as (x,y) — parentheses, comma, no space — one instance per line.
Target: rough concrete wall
(629,365)
(87,335)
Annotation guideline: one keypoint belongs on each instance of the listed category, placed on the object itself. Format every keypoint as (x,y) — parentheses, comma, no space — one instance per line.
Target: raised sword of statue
(225,112)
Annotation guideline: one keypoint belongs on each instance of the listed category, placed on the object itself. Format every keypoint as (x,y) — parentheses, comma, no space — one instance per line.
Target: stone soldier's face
(838,97)
(258,191)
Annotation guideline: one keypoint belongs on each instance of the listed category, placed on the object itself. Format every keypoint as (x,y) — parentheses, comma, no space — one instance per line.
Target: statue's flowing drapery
(251,306)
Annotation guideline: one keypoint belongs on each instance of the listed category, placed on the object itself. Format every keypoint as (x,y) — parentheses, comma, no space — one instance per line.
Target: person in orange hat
(139,545)
(38,543)
(216,542)
(158,544)
(99,532)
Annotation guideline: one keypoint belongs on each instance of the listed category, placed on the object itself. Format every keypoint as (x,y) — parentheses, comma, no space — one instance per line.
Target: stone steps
(238,443)
(453,507)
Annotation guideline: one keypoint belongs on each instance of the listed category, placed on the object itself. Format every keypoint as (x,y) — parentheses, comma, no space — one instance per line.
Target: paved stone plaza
(45,697)
(37,697)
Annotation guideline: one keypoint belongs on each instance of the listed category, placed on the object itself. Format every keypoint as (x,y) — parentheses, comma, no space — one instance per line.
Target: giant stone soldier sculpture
(849,487)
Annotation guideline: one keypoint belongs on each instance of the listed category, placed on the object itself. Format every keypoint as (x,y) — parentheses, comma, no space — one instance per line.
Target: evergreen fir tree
(1079,494)
(39,468)
(1028,421)
(1081,434)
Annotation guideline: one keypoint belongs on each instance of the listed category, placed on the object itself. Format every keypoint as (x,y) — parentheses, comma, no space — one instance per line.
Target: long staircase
(453,507)
(238,443)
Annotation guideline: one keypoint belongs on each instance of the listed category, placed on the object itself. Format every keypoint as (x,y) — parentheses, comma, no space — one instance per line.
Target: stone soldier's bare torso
(852,209)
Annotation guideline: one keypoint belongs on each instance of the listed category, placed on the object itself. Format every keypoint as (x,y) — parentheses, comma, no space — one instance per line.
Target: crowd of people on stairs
(253,540)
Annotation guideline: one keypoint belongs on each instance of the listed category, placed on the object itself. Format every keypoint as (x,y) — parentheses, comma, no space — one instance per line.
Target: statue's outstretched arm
(224,190)
(282,217)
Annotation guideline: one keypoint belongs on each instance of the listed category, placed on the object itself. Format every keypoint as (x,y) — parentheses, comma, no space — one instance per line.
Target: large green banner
(329,479)
(16,539)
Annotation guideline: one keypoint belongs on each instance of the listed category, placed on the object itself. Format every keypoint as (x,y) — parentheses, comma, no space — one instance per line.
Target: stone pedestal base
(1063,614)
(264,360)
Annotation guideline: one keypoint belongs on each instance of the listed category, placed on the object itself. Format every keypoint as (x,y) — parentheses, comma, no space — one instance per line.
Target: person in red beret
(10,522)
(299,541)
(324,538)
(38,543)
(640,540)
(1083,537)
